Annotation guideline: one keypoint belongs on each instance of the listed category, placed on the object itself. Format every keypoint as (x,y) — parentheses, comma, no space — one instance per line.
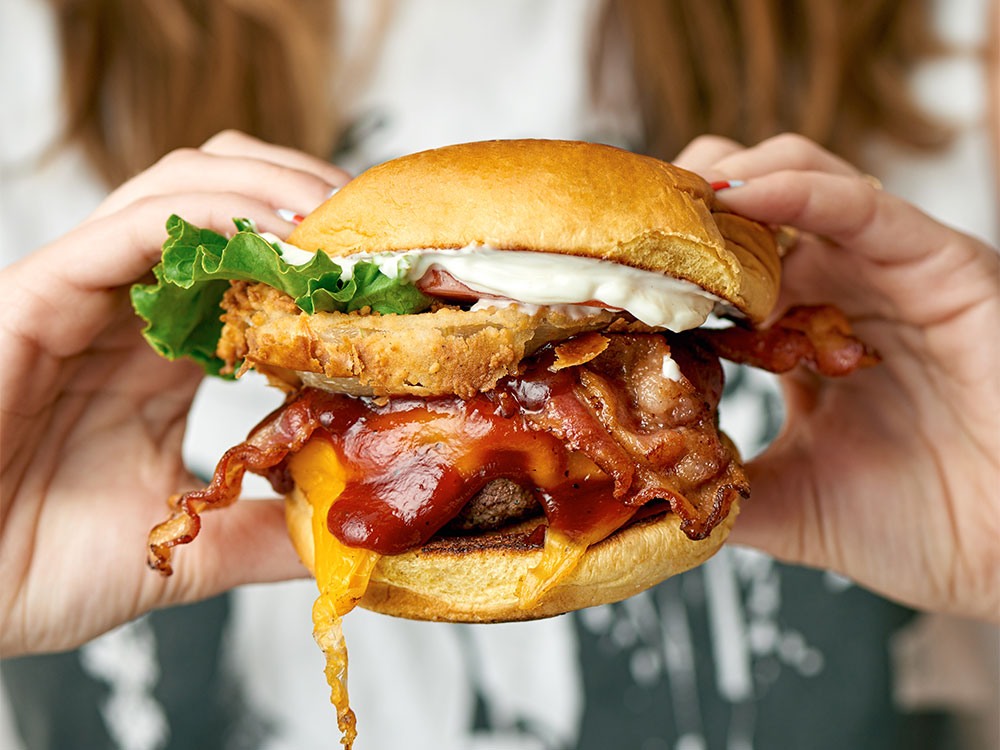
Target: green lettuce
(181,308)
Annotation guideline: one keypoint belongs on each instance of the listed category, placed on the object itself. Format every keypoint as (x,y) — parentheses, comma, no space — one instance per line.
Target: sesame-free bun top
(553,196)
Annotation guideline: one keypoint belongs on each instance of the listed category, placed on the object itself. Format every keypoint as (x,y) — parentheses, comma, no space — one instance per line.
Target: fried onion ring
(447,351)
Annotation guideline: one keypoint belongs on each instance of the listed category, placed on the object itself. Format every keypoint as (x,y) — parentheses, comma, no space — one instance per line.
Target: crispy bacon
(820,337)
(283,431)
(666,428)
(579,350)
(656,438)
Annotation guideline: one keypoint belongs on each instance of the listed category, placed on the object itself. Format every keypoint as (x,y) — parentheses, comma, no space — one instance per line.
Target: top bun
(553,196)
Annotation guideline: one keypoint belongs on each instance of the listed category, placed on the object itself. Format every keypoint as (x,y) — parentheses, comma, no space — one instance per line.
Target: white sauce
(556,279)
(670,370)
(291,254)
(534,278)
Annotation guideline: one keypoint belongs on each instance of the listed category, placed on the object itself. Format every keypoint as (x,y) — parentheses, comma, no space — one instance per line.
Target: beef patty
(500,503)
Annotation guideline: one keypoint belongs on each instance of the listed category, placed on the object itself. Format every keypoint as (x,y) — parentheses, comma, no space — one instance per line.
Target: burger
(501,404)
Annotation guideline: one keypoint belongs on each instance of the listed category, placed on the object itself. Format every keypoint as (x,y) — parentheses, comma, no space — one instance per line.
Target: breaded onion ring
(448,351)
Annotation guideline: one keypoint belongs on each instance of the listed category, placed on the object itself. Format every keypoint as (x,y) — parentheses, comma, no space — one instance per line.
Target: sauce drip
(412,464)
(568,436)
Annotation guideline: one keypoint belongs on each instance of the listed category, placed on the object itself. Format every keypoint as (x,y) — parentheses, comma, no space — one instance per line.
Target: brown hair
(146,76)
(142,77)
(831,70)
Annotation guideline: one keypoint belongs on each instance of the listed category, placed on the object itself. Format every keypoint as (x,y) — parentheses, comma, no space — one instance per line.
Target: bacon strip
(283,431)
(655,437)
(820,337)
(667,429)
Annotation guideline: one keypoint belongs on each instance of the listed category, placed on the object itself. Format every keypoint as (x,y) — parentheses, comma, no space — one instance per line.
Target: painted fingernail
(290,216)
(726,184)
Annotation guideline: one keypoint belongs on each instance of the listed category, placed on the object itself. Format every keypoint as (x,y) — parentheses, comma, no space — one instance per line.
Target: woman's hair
(143,77)
(834,71)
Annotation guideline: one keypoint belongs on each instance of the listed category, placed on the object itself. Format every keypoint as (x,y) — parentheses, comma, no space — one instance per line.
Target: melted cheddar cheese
(342,572)
(560,557)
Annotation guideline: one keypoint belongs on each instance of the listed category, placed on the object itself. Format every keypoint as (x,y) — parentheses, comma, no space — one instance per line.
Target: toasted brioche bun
(553,196)
(475,578)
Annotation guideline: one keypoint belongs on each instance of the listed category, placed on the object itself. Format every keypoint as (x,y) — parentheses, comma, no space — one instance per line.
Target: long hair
(836,72)
(143,77)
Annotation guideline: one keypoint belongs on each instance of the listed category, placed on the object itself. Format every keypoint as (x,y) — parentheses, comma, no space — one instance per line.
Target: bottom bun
(476,578)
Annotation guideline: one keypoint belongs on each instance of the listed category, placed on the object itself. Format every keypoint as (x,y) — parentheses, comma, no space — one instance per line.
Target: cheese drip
(566,540)
(560,557)
(342,572)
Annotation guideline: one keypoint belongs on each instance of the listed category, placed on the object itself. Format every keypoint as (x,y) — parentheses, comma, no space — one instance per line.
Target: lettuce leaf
(181,308)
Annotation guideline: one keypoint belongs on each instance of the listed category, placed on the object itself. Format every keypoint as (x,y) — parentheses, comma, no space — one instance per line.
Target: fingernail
(290,216)
(726,184)
(333,192)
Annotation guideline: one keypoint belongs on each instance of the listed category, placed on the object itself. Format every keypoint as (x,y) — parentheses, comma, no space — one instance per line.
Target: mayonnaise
(536,278)
(670,370)
(291,254)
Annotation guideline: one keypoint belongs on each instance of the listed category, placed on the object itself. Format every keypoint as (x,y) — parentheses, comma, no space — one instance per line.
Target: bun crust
(553,196)
(475,578)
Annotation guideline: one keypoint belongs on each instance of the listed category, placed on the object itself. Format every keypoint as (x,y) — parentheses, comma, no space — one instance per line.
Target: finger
(846,210)
(235,143)
(703,152)
(904,265)
(245,543)
(67,291)
(816,273)
(120,248)
(788,151)
(782,517)
(190,169)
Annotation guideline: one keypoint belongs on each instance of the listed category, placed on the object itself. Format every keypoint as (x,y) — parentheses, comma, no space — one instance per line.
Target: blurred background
(741,653)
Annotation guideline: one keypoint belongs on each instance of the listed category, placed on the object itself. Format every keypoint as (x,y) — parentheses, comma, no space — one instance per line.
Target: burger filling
(480,272)
(589,432)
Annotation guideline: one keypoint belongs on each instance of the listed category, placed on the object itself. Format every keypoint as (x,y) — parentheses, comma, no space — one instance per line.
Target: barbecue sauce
(411,464)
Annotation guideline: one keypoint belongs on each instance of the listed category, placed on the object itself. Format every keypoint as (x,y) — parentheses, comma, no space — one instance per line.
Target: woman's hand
(891,475)
(93,418)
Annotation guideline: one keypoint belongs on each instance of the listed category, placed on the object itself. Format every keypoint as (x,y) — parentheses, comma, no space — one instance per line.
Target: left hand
(890,475)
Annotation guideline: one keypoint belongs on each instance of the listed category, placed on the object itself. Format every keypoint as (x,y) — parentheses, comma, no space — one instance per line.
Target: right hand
(93,418)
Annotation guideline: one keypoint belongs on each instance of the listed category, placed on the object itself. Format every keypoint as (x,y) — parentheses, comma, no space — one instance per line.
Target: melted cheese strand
(560,557)
(329,636)
(342,572)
